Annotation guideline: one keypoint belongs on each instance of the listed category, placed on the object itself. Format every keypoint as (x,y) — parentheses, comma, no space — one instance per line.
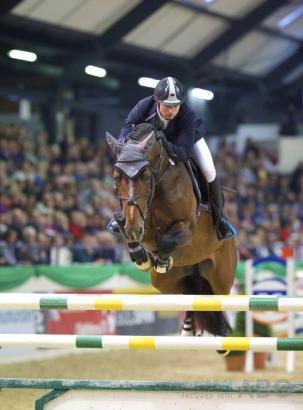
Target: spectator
(56,200)
(86,249)
(107,247)
(8,246)
(60,253)
(28,251)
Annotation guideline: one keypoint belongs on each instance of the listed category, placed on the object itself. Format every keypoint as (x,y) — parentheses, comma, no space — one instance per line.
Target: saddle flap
(200,185)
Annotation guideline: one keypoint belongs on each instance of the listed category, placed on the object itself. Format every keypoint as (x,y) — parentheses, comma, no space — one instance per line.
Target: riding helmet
(169,90)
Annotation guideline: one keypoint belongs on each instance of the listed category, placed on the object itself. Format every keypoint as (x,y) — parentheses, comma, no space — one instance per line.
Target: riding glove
(170,148)
(160,136)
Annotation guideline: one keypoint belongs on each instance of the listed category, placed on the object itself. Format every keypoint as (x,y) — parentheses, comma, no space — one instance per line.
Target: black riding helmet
(169,90)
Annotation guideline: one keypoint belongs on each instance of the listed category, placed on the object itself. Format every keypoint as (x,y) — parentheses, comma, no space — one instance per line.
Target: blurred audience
(268,207)
(56,200)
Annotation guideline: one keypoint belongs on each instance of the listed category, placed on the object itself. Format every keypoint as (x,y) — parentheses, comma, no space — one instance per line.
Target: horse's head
(135,176)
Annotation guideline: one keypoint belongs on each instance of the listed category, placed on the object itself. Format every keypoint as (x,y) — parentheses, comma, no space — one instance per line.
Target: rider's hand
(160,136)
(170,148)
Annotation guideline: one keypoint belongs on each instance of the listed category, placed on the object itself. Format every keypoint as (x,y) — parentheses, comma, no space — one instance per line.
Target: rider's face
(169,111)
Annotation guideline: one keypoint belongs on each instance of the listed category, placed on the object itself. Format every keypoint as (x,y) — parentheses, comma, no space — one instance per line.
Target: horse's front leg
(171,243)
(139,256)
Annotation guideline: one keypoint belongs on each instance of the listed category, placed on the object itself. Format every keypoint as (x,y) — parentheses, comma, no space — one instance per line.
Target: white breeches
(204,160)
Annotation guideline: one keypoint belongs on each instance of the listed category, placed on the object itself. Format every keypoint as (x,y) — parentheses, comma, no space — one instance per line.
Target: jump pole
(256,344)
(36,301)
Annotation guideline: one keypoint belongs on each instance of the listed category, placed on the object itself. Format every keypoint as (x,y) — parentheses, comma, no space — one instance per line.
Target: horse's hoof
(223,353)
(187,328)
(145,266)
(163,266)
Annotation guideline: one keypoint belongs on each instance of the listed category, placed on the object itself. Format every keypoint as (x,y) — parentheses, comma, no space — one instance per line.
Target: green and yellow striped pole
(26,301)
(257,344)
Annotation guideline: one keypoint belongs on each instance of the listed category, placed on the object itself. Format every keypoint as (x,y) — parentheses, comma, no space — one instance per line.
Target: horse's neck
(174,189)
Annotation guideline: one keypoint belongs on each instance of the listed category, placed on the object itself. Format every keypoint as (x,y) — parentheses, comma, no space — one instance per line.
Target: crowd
(56,200)
(268,206)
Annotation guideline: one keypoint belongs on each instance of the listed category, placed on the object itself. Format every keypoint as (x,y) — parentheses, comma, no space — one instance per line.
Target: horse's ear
(113,143)
(147,144)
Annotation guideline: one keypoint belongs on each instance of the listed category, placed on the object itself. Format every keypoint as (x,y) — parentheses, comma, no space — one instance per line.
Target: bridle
(155,176)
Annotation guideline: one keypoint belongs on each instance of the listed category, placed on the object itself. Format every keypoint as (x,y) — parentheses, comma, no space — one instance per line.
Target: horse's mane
(139,131)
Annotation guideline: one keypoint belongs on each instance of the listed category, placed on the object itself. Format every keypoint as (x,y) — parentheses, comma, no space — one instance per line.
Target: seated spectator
(60,252)
(77,225)
(86,249)
(8,245)
(107,247)
(28,250)
(44,243)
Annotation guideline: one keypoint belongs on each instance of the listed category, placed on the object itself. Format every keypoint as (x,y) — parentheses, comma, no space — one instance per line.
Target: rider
(177,127)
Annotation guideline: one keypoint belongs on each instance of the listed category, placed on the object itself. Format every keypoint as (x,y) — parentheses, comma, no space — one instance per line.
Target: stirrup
(113,227)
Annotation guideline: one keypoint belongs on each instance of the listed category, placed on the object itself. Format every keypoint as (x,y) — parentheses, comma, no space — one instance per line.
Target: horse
(166,234)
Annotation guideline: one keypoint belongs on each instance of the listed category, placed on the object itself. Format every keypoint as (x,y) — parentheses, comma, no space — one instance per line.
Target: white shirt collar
(164,120)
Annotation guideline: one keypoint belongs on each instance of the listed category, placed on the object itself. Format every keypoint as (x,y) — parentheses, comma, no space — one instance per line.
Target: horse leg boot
(224,229)
(188,325)
(139,256)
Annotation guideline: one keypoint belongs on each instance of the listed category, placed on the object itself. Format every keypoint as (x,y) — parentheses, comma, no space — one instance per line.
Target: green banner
(85,276)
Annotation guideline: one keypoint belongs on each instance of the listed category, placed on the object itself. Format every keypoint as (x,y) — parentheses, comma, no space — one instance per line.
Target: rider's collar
(163,120)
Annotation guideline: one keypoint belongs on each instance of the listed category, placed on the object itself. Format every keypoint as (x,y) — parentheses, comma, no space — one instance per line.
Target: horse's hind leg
(215,323)
(177,281)
(216,276)
(188,326)
(221,272)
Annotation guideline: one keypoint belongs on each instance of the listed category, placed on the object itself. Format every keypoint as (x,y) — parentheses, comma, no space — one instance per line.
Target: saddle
(200,185)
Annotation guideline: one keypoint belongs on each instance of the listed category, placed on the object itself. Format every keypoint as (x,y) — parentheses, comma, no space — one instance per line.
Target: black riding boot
(223,228)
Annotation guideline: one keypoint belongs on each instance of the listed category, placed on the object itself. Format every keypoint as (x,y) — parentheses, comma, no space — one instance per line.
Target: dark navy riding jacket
(183,131)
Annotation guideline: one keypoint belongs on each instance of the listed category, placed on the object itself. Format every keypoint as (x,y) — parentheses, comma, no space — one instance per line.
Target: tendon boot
(163,265)
(224,229)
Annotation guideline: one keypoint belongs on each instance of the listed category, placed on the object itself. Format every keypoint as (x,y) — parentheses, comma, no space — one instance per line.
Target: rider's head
(169,95)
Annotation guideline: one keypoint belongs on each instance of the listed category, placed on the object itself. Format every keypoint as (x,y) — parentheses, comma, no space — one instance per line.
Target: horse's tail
(215,323)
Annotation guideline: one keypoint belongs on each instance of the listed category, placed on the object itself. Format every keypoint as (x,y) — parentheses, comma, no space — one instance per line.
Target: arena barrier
(125,395)
(142,395)
(26,301)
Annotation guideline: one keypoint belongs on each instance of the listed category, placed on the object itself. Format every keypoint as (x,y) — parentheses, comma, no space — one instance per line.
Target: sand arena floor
(133,365)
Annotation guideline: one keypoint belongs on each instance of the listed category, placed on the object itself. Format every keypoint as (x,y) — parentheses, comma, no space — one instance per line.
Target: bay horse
(158,215)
